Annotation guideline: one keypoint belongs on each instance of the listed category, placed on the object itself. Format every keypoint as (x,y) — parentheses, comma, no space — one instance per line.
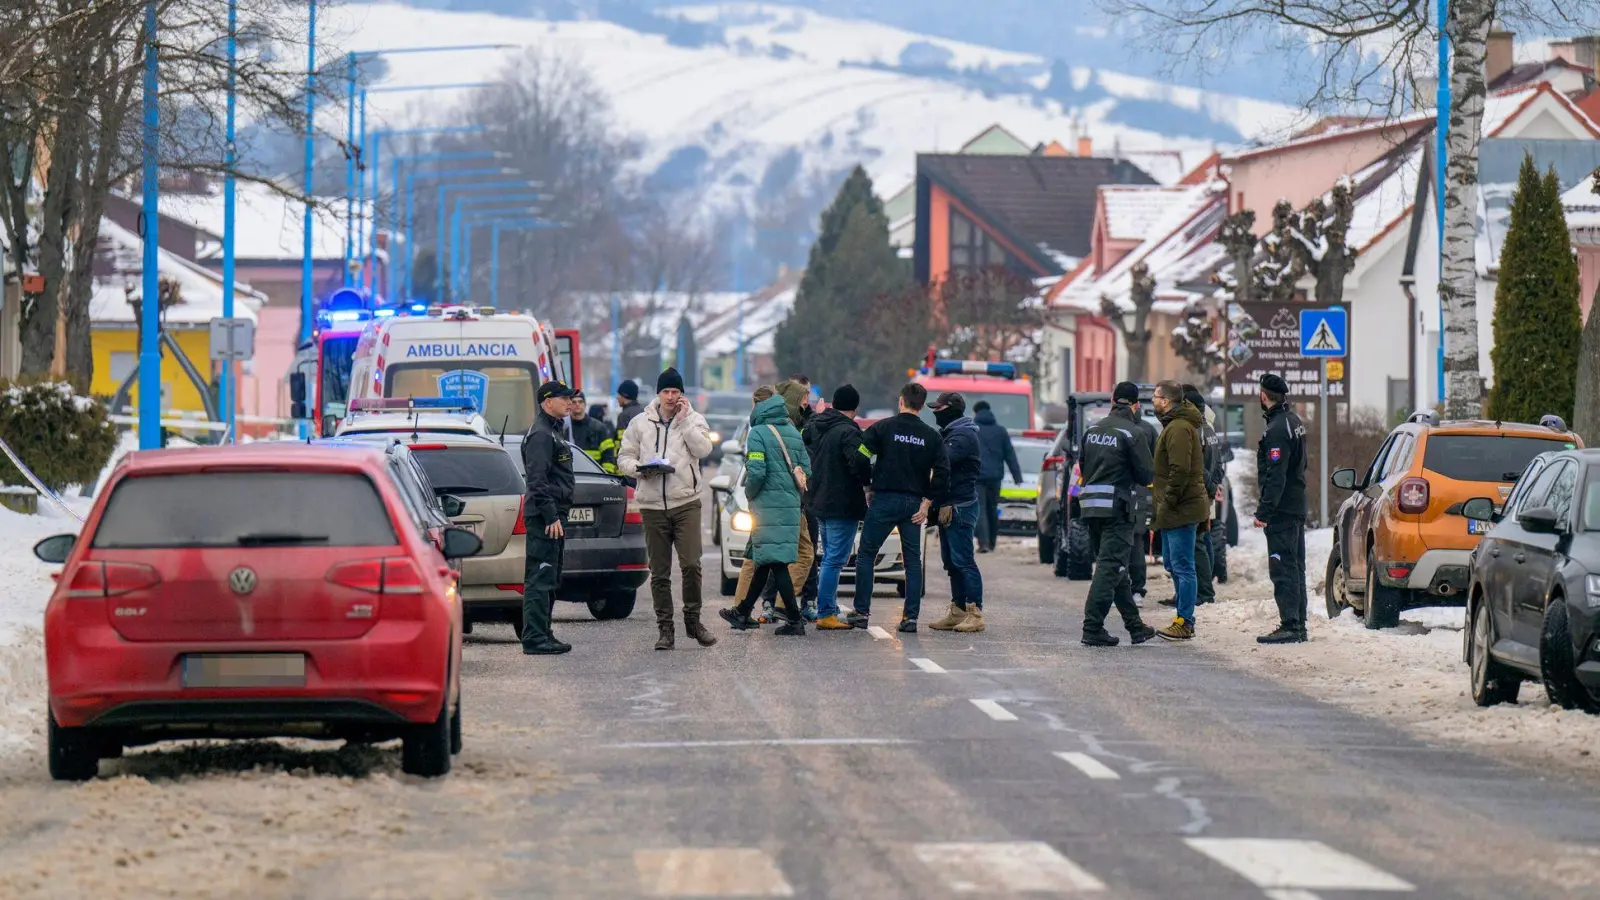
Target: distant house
(901,207)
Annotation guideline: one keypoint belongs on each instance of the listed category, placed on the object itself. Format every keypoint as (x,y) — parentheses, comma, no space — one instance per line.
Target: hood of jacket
(827,421)
(986,418)
(771,411)
(794,394)
(1184,411)
(963,422)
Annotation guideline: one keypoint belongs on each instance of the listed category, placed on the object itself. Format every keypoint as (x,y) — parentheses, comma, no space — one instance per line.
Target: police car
(409,415)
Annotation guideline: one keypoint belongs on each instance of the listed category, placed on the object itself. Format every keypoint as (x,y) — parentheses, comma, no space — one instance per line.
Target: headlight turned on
(716,437)
(743,521)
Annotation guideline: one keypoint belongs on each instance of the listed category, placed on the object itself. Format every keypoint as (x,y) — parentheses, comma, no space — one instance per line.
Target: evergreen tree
(1537,323)
(855,317)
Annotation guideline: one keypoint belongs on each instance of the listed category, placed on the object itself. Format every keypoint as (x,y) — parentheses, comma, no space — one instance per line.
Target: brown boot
(665,641)
(694,629)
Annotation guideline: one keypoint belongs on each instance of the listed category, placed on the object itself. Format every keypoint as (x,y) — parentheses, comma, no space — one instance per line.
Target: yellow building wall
(111,344)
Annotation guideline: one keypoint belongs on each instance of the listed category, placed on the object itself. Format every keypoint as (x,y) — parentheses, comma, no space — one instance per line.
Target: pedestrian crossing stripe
(710,872)
(1301,864)
(1005,867)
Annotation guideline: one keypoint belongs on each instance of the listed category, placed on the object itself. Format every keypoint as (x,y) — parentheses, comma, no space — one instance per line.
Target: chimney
(1499,60)
(1085,146)
(1585,50)
(1562,50)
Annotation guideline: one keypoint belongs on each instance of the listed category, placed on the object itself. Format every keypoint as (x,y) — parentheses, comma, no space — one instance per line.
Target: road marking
(927,665)
(1009,867)
(1089,766)
(1290,894)
(995,711)
(878,633)
(710,872)
(771,742)
(1309,865)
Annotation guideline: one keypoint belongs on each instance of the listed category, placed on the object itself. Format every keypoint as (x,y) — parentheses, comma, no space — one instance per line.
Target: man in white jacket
(662,449)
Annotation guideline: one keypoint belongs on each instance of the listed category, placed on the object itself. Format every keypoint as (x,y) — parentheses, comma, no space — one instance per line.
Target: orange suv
(1400,540)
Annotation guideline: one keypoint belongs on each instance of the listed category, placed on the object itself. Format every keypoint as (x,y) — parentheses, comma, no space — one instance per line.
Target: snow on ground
(25,586)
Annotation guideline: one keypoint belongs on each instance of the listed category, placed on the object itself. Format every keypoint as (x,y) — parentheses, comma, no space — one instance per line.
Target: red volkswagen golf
(270,590)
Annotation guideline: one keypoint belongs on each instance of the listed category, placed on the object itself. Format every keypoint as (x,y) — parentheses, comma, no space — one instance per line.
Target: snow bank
(25,586)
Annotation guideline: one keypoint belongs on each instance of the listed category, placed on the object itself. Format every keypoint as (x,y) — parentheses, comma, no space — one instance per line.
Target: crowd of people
(816,480)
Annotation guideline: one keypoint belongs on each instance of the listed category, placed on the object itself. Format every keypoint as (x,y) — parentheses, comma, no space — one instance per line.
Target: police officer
(595,437)
(1281,471)
(547,464)
(1115,464)
(1144,509)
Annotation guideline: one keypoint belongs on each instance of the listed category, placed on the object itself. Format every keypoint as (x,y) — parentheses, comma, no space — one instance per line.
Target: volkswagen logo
(242,581)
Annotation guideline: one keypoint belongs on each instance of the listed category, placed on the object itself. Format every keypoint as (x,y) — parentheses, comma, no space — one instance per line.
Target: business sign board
(1265,337)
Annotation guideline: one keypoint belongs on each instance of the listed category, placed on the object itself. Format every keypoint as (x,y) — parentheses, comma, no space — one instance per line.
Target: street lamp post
(378,135)
(463,244)
(406,287)
(439,233)
(306,287)
(149,304)
(230,159)
(494,251)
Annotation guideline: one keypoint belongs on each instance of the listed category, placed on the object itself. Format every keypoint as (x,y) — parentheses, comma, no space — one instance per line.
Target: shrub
(61,437)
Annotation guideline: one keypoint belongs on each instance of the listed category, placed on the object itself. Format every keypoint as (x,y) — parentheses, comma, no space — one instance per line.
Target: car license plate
(1016,514)
(1476,527)
(244,670)
(580,515)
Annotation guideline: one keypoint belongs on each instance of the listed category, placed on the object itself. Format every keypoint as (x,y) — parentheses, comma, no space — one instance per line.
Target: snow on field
(25,585)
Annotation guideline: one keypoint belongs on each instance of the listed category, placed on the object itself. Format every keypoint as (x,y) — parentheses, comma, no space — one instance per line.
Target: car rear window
(1484,457)
(230,509)
(469,470)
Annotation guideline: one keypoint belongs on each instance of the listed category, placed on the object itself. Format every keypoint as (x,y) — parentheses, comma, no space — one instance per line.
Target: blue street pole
(149,304)
(402,214)
(307,314)
(230,159)
(439,233)
(461,244)
(361,188)
(349,161)
(1442,113)
(494,266)
(497,220)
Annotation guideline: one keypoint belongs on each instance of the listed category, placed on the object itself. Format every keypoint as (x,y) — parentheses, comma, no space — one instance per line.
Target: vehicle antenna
(503,426)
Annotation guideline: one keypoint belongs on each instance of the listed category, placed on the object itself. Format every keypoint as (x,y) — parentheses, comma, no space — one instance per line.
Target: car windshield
(338,356)
(504,390)
(469,470)
(1487,457)
(734,405)
(1030,456)
(244,509)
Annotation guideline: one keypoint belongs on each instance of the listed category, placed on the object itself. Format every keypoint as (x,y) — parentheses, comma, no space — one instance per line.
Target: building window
(122,365)
(971,247)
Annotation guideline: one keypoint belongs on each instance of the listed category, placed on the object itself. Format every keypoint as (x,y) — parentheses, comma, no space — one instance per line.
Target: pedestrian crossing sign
(1324,332)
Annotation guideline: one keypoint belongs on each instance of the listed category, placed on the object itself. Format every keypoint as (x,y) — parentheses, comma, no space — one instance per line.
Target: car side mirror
(721,483)
(1478,509)
(460,543)
(56,548)
(732,448)
(297,389)
(1540,520)
(297,410)
(1344,479)
(453,506)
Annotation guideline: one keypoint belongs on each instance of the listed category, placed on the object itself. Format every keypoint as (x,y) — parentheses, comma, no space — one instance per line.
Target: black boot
(738,620)
(694,629)
(545,646)
(1140,633)
(1099,638)
(1286,634)
(795,627)
(536,637)
(665,640)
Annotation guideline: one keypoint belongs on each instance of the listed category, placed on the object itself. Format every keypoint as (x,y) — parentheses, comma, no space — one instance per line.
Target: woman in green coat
(772,452)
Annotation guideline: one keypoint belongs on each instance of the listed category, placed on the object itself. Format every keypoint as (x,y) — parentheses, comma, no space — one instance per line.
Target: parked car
(262,590)
(1399,541)
(1019,509)
(728,413)
(1534,582)
(736,525)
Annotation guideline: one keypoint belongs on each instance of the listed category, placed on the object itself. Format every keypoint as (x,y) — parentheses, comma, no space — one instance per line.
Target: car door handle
(1521,557)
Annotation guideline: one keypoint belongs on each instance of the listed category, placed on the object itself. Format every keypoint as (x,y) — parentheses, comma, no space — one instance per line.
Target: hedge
(62,437)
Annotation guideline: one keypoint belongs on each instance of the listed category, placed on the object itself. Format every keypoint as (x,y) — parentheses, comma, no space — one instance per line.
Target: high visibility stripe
(1019,493)
(864,451)
(1097,504)
(757,454)
(1099,489)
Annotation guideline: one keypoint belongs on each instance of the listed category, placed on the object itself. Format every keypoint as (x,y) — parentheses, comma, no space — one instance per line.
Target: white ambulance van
(499,360)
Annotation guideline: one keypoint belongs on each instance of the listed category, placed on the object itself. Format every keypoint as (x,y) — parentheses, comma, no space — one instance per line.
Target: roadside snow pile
(25,586)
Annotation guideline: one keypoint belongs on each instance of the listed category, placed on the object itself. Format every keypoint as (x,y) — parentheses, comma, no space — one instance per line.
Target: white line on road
(710,872)
(878,633)
(772,742)
(1005,867)
(1308,865)
(1089,766)
(927,665)
(1290,894)
(995,711)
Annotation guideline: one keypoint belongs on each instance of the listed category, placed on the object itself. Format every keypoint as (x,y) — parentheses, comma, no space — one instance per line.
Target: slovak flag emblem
(1275,454)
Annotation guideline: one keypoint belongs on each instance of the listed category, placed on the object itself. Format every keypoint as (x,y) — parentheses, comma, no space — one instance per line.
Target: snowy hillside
(788,97)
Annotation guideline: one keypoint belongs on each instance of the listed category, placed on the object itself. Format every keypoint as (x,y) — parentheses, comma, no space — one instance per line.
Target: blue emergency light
(453,404)
(345,315)
(972,367)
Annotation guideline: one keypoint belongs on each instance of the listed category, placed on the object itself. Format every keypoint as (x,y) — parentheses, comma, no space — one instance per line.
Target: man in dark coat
(998,455)
(1138,559)
(1281,513)
(595,437)
(1181,502)
(958,514)
(840,473)
(1115,467)
(547,468)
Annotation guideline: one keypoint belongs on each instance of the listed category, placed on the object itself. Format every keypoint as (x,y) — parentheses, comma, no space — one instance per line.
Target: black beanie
(847,398)
(1195,398)
(1125,392)
(669,379)
(628,390)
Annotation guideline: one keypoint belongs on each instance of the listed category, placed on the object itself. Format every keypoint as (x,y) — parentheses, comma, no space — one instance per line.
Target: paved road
(863,765)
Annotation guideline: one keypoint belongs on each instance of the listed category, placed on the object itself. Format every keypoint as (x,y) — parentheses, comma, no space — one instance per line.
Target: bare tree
(1238,239)
(1279,264)
(1195,342)
(1135,337)
(992,313)
(1320,241)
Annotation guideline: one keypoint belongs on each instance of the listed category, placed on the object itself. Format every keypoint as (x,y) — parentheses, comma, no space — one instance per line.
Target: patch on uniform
(1274,454)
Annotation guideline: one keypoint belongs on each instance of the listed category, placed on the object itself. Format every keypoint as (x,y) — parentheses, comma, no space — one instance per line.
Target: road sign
(1324,332)
(1335,370)
(233,339)
(1265,336)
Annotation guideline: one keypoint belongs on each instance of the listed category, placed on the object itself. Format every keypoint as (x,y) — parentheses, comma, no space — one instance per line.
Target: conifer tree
(1537,322)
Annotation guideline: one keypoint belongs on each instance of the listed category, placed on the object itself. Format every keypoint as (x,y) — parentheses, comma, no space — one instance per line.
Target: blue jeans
(838,536)
(890,512)
(1177,552)
(956,552)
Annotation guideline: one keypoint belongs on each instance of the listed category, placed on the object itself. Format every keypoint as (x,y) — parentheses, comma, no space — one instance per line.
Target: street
(850,764)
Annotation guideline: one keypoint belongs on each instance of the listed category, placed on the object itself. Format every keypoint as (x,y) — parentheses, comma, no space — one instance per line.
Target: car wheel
(1383,603)
(1047,546)
(1492,683)
(1333,591)
(1233,524)
(1219,554)
(455,728)
(1556,666)
(425,749)
(110,745)
(74,753)
(618,605)
(1080,555)
(730,586)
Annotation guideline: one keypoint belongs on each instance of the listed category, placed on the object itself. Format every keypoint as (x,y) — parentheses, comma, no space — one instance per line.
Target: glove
(947,514)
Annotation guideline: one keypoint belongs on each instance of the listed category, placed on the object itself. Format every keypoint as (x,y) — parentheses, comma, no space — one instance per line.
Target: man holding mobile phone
(547,468)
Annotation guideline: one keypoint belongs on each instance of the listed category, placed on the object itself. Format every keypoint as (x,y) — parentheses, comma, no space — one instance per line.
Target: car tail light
(633,516)
(98,579)
(1413,496)
(1053,462)
(88,580)
(401,576)
(1399,571)
(522,524)
(510,587)
(428,446)
(378,576)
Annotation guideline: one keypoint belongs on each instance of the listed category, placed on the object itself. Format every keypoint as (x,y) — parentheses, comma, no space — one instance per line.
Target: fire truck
(1010,394)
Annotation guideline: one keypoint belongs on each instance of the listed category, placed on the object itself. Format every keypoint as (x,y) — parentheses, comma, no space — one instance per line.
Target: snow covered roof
(267,226)
(1582,205)
(1182,247)
(1385,192)
(714,317)
(1502,108)
(199,288)
(1132,210)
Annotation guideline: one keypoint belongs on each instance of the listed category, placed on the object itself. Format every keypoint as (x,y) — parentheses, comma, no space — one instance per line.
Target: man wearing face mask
(1281,512)
(958,514)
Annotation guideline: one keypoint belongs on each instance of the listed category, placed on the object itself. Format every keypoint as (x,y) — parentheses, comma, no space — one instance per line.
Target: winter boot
(739,621)
(795,628)
(974,621)
(1179,630)
(1286,634)
(954,617)
(832,623)
(694,629)
(1140,633)
(665,641)
(857,620)
(1101,638)
(907,626)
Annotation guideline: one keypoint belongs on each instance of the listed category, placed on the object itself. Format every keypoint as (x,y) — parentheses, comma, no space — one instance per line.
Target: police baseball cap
(1273,383)
(1125,392)
(950,399)
(553,389)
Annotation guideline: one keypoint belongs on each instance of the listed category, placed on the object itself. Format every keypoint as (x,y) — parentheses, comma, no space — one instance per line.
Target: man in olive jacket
(1181,502)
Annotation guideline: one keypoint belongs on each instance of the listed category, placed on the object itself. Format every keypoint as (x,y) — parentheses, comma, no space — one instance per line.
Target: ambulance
(498,360)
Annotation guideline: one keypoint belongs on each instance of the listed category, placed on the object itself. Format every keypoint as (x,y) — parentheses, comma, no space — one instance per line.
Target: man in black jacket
(909,470)
(1116,463)
(1138,560)
(547,468)
(998,455)
(958,514)
(595,437)
(840,473)
(1281,513)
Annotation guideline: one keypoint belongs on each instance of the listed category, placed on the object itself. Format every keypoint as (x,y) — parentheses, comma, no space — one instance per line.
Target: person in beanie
(594,437)
(1137,560)
(627,405)
(1181,501)
(777,470)
(998,455)
(1281,512)
(840,474)
(547,469)
(958,514)
(1115,466)
(662,449)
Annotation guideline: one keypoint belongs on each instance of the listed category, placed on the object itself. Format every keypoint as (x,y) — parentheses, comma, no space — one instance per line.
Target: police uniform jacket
(547,468)
(1281,467)
(1115,465)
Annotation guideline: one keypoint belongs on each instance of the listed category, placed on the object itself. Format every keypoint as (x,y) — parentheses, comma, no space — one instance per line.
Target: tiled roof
(1181,248)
